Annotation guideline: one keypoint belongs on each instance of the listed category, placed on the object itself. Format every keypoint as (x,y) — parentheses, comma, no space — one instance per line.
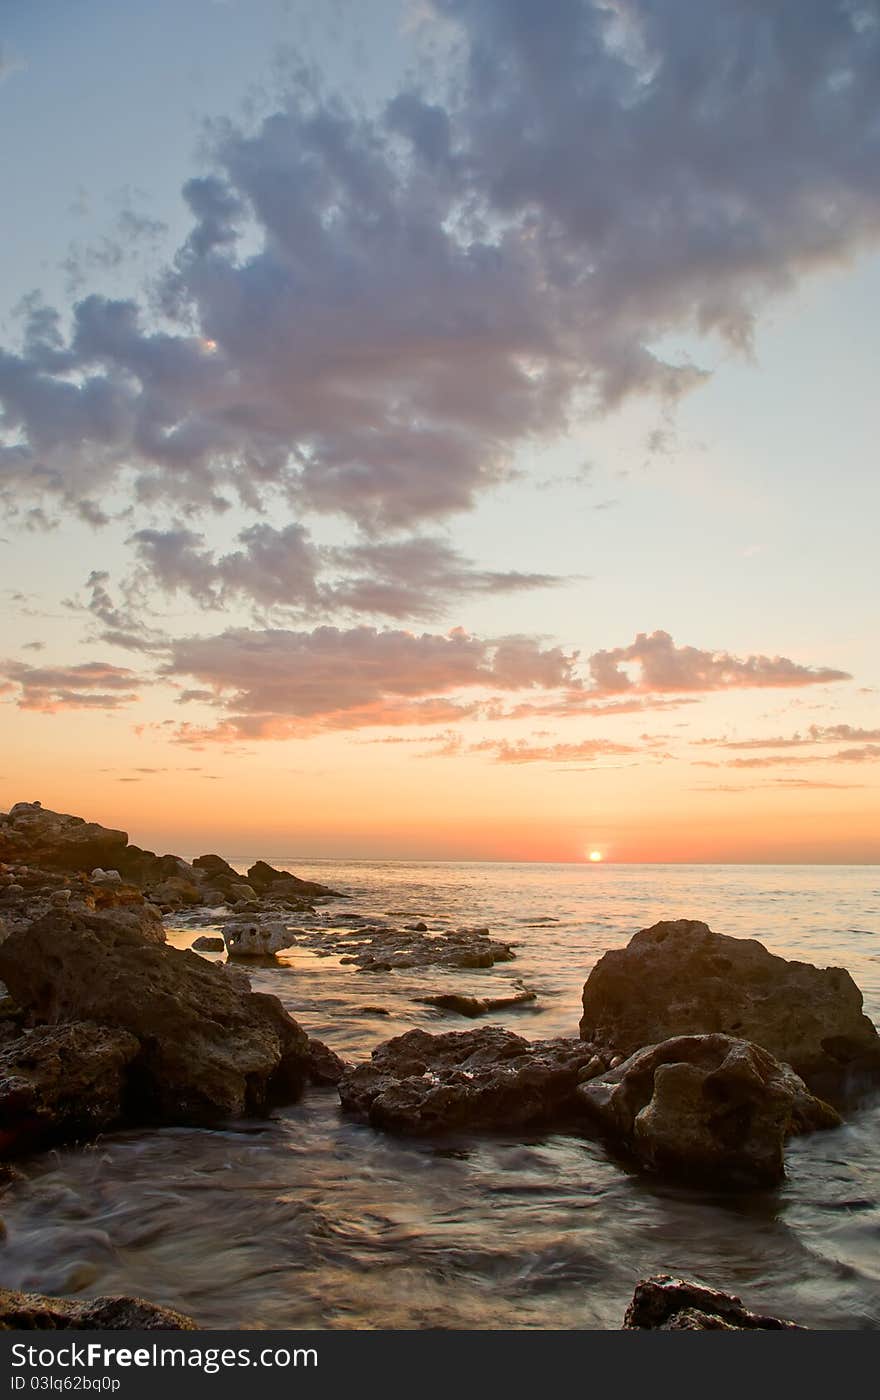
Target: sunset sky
(443,428)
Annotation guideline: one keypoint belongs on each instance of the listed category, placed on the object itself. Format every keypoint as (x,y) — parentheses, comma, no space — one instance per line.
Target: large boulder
(34,1312)
(257,941)
(32,834)
(680,978)
(489,1079)
(706,1107)
(208,1050)
(62,1083)
(265,879)
(666,1304)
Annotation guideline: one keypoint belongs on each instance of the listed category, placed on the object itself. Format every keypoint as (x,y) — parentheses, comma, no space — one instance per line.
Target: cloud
(816,734)
(10,61)
(372,311)
(283,568)
(661,666)
(522,751)
(282,683)
(91,685)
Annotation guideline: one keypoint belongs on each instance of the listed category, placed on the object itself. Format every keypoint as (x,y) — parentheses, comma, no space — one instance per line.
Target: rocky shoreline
(698,1056)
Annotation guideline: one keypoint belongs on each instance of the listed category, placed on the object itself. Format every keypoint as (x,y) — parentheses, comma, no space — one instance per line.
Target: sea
(312,1220)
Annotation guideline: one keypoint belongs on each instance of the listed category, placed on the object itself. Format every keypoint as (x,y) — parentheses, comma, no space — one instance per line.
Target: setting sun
(595,855)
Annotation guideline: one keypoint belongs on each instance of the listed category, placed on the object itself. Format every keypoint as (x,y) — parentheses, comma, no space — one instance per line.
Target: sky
(443,429)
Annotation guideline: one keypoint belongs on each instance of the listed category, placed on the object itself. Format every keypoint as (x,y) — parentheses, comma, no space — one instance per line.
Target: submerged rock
(119,1313)
(208,944)
(476,1006)
(680,978)
(668,1304)
(60,1083)
(207,1049)
(419,1083)
(705,1107)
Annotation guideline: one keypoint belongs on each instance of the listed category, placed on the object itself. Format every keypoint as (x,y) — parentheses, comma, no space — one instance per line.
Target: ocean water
(314,1221)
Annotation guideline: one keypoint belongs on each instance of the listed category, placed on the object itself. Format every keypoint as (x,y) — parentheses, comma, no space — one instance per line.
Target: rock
(215,865)
(236,975)
(174,892)
(105,877)
(257,942)
(207,944)
(118,1313)
(671,1304)
(141,919)
(372,1011)
(261,876)
(680,978)
(475,1006)
(30,832)
(323,1064)
(208,1050)
(59,1083)
(240,891)
(705,1107)
(490,1078)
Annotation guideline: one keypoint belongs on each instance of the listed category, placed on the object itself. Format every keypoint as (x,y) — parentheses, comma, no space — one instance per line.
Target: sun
(596,856)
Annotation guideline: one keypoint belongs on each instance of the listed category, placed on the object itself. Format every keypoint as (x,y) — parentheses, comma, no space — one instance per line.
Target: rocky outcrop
(473,1006)
(265,879)
(35,1312)
(31,834)
(705,1107)
(323,1065)
(61,1083)
(666,1304)
(207,1049)
(680,978)
(482,1079)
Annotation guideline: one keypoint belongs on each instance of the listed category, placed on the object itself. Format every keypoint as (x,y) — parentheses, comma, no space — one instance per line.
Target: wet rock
(490,1078)
(208,1050)
(705,1107)
(668,1304)
(680,978)
(372,1011)
(324,1066)
(118,1313)
(256,941)
(60,1083)
(241,892)
(476,1006)
(207,944)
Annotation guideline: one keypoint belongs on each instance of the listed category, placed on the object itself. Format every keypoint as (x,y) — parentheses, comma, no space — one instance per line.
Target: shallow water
(312,1220)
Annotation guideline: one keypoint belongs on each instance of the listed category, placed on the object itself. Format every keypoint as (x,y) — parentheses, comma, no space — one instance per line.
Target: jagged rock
(668,1304)
(475,1006)
(263,877)
(706,1107)
(240,892)
(117,1313)
(256,941)
(35,835)
(208,944)
(207,1051)
(680,978)
(61,1083)
(419,1083)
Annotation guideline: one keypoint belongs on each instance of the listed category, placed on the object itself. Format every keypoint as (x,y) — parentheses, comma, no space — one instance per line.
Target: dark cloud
(371,313)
